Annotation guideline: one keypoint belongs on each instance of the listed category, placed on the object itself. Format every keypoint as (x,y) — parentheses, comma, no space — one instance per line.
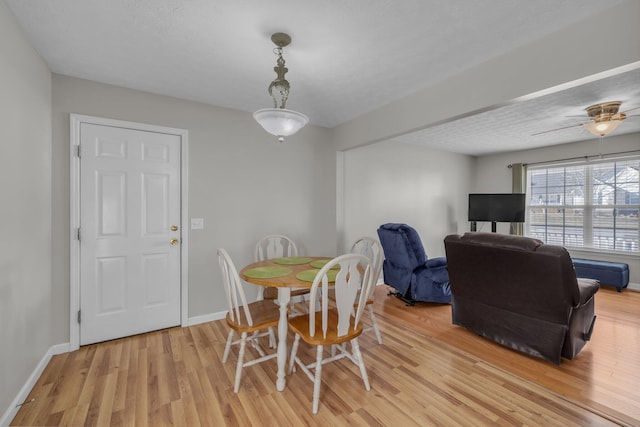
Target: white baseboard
(12,410)
(222,314)
(634,286)
(206,318)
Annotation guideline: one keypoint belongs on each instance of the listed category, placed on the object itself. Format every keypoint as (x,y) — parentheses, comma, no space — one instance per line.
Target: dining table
(285,274)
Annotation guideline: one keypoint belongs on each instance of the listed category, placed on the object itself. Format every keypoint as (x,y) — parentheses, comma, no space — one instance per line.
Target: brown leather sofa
(520,293)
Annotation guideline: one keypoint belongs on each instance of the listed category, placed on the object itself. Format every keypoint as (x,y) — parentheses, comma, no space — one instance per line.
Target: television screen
(507,207)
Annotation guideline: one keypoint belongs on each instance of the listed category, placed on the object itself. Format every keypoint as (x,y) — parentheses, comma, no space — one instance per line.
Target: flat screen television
(507,207)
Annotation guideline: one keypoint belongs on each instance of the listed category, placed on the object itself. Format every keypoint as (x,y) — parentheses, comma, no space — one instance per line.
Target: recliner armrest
(436,262)
(434,270)
(587,289)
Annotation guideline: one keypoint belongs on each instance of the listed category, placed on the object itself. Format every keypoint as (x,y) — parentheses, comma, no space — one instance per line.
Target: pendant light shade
(280,122)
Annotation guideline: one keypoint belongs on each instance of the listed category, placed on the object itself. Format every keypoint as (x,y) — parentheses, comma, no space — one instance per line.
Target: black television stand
(474,226)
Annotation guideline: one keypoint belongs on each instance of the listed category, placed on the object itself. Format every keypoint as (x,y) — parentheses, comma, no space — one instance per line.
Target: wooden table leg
(284,296)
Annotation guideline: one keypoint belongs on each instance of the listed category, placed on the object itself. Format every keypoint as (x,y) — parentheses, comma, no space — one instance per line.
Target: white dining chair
(371,248)
(247,319)
(269,247)
(334,326)
(278,246)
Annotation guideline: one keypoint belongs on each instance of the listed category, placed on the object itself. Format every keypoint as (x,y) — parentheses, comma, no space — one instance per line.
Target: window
(590,205)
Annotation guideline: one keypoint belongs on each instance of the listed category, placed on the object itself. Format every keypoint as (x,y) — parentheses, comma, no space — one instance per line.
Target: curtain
(518,185)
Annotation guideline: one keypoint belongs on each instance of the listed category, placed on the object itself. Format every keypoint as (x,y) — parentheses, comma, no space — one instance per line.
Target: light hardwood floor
(427,372)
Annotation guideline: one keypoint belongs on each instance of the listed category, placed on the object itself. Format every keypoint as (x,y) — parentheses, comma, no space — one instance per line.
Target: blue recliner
(407,268)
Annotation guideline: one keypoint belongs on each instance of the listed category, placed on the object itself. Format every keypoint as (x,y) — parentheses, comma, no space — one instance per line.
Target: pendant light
(278,120)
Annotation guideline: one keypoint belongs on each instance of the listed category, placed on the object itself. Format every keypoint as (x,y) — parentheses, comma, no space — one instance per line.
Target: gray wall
(25,210)
(241,181)
(493,175)
(395,182)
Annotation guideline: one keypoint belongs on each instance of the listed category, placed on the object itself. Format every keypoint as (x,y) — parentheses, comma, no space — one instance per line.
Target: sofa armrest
(435,262)
(587,289)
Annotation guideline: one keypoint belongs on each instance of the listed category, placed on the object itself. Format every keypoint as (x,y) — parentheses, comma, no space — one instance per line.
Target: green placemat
(309,275)
(319,263)
(292,260)
(267,272)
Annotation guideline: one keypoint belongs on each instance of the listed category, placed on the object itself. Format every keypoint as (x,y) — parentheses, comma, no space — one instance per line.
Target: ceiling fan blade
(553,130)
(630,109)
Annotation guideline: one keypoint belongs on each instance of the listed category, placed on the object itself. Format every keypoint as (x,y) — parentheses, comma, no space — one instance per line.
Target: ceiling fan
(604,118)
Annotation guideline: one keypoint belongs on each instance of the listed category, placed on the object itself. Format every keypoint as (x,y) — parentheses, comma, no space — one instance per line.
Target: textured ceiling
(346,58)
(558,116)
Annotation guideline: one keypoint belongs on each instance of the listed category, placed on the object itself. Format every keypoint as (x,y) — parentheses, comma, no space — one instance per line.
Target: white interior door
(129,231)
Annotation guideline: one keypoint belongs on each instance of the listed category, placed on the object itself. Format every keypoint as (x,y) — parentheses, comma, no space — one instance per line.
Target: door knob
(173,242)
(174,228)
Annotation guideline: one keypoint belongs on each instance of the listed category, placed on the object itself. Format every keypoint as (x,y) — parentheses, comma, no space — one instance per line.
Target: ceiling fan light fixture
(278,120)
(605,116)
(602,128)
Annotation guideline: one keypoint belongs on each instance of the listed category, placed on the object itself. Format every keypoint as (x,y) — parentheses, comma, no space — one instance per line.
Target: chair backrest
(354,274)
(403,252)
(403,244)
(236,299)
(274,246)
(371,248)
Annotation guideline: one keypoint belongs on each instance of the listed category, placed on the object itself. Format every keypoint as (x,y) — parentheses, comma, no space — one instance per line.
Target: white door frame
(74,286)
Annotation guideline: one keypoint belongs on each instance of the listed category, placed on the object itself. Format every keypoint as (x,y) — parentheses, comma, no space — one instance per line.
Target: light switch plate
(197,223)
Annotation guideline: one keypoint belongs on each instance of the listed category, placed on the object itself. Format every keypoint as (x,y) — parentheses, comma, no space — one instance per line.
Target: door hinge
(78,150)
(78,234)
(78,316)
